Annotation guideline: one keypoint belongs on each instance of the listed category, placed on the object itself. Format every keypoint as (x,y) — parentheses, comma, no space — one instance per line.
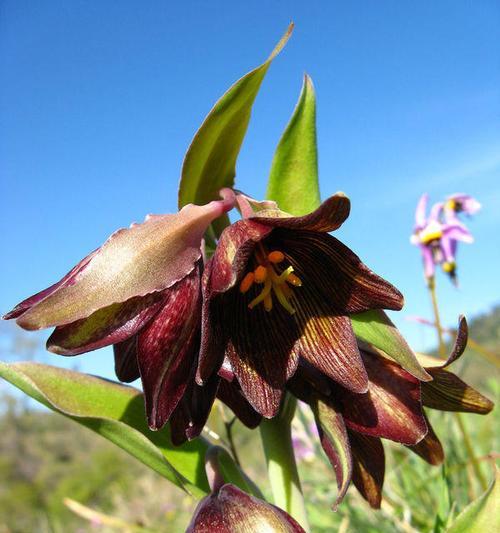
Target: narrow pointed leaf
(482,514)
(117,413)
(293,182)
(210,162)
(376,328)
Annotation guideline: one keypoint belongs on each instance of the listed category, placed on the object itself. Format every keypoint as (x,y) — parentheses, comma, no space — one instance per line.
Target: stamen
(265,291)
(260,274)
(294,280)
(276,257)
(282,298)
(247,282)
(268,302)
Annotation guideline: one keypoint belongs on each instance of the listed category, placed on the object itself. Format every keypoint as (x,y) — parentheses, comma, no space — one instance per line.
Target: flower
(230,510)
(438,240)
(141,292)
(278,287)
(352,425)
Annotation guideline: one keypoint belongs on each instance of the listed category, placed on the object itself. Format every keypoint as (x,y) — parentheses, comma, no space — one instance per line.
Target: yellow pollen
(451,204)
(430,236)
(260,274)
(274,281)
(247,282)
(276,257)
(294,280)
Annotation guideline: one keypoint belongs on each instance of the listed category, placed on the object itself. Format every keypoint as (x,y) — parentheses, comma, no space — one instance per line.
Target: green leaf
(482,514)
(210,162)
(117,413)
(377,329)
(293,182)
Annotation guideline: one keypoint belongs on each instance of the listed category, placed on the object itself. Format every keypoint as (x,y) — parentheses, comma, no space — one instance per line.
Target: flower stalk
(458,417)
(276,436)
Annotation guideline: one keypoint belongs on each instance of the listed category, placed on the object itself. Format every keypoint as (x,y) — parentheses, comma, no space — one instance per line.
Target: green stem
(437,319)
(463,430)
(276,435)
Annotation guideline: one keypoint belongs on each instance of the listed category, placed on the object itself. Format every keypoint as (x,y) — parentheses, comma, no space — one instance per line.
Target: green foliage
(482,514)
(376,328)
(293,182)
(117,413)
(210,162)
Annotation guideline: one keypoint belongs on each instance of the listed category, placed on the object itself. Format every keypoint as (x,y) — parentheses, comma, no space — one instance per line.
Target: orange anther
(276,257)
(247,282)
(260,274)
(268,302)
(294,280)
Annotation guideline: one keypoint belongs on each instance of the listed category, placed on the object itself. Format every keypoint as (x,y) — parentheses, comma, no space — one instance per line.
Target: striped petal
(232,396)
(167,349)
(429,448)
(126,365)
(391,408)
(368,467)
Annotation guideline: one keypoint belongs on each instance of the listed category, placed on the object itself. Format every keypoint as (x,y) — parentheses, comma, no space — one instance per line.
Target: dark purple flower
(279,287)
(352,425)
(141,292)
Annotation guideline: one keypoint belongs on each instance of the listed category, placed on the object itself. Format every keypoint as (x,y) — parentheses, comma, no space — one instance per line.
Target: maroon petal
(69,279)
(167,349)
(327,341)
(429,448)
(109,325)
(337,274)
(262,349)
(126,365)
(231,395)
(235,246)
(213,344)
(391,408)
(447,392)
(190,415)
(329,216)
(368,467)
(460,341)
(335,443)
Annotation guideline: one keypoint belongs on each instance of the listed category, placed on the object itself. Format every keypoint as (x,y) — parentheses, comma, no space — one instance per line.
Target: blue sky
(99,101)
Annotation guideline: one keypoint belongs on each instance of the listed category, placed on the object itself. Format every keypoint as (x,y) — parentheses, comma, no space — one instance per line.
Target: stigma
(276,283)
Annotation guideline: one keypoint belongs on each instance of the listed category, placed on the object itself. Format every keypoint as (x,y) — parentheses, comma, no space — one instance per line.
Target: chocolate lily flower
(437,240)
(279,287)
(351,425)
(139,291)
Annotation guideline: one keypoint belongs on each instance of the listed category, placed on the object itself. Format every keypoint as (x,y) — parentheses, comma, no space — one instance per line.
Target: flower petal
(429,448)
(69,279)
(368,467)
(262,348)
(190,415)
(140,260)
(110,325)
(126,366)
(336,272)
(231,395)
(328,342)
(329,216)
(335,443)
(167,348)
(391,408)
(447,392)
(421,211)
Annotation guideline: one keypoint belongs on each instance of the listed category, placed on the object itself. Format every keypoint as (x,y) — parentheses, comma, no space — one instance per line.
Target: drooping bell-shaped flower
(141,292)
(229,509)
(351,425)
(437,239)
(279,286)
